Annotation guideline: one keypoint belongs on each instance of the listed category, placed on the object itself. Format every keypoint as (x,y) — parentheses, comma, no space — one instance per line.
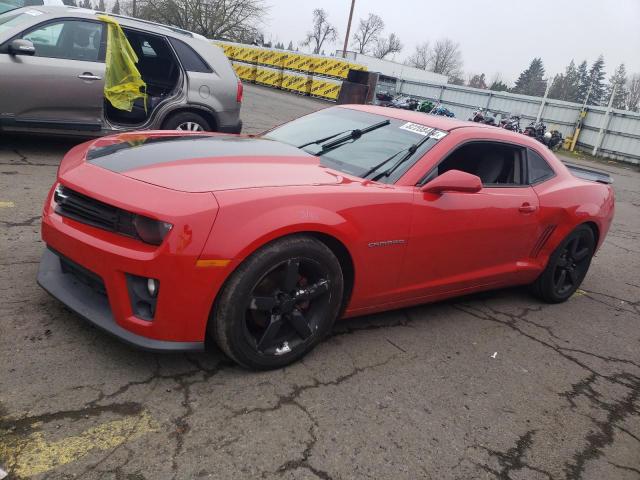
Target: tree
(101,7)
(235,20)
(116,8)
(478,81)
(70,3)
(387,46)
(368,33)
(456,80)
(583,82)
(86,4)
(633,96)
(618,81)
(531,81)
(499,86)
(322,31)
(565,86)
(446,58)
(290,46)
(596,80)
(420,58)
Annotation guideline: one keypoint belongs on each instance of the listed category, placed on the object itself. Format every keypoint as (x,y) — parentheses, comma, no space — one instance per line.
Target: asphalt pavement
(496,385)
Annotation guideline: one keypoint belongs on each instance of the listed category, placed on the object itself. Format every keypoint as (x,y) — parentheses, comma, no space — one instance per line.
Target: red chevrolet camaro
(261,243)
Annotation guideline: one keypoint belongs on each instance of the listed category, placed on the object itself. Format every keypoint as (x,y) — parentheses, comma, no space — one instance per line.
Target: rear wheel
(187,121)
(279,303)
(567,267)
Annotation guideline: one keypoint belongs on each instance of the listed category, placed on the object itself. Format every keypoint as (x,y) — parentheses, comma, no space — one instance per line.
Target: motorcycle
(425,106)
(405,103)
(552,139)
(483,116)
(384,98)
(441,110)
(512,123)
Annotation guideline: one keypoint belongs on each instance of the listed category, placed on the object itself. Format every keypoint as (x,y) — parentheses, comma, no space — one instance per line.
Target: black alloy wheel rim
(286,306)
(572,264)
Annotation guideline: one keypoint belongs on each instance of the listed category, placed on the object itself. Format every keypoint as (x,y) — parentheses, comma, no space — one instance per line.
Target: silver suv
(52,76)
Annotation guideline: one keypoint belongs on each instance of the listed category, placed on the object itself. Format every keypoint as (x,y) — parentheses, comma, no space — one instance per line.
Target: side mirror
(453,181)
(21,47)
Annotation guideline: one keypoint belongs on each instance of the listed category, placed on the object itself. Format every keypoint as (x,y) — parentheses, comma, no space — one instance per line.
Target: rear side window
(191,61)
(539,169)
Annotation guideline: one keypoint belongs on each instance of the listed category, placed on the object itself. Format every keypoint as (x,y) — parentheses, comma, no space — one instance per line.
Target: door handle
(526,207)
(89,76)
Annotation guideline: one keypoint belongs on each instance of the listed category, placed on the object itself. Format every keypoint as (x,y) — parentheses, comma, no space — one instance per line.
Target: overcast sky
(495,36)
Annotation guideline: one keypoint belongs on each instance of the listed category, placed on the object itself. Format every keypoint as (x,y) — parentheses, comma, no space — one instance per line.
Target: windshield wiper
(348,135)
(385,173)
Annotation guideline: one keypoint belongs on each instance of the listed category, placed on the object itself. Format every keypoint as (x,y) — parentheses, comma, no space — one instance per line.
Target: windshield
(13,19)
(8,5)
(358,156)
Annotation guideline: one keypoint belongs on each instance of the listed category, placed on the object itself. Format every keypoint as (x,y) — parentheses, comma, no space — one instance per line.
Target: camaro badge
(385,243)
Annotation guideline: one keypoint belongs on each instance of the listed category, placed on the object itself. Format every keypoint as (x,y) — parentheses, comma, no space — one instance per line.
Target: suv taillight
(239,92)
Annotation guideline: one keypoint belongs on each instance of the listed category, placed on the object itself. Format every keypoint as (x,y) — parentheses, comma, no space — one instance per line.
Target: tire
(260,315)
(187,121)
(573,257)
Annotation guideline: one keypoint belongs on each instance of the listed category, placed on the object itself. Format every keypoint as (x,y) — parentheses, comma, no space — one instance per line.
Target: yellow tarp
(123,82)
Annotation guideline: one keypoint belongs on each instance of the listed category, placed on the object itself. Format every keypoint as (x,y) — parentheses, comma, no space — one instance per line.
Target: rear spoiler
(589,174)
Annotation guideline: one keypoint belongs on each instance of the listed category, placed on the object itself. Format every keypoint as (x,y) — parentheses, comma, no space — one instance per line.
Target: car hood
(207,163)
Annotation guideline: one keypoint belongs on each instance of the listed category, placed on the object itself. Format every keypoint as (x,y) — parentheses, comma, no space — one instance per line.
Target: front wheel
(279,303)
(567,267)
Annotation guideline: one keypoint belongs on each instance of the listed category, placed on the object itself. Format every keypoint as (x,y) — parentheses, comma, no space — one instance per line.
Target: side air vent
(546,233)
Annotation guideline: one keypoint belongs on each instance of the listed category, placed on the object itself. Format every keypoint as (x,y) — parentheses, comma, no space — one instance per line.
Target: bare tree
(446,58)
(387,46)
(236,20)
(368,32)
(420,58)
(321,32)
(633,93)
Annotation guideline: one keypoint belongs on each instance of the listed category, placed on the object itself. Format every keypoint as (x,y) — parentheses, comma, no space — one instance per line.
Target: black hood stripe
(125,156)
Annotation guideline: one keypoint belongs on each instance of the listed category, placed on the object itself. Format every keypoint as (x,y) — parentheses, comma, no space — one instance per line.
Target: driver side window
(69,39)
(497,164)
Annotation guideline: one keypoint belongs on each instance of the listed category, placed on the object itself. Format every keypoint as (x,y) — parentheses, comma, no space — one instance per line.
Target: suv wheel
(187,121)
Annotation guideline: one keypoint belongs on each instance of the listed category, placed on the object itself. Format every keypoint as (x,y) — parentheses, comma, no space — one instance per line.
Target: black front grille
(90,211)
(81,274)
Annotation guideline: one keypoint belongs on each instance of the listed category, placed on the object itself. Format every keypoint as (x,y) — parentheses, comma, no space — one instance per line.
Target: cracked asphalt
(490,386)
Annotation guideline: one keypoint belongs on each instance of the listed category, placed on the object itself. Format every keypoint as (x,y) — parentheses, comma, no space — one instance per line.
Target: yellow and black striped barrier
(302,73)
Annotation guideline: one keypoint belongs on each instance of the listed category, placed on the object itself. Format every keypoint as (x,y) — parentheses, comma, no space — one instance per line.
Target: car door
(462,241)
(62,85)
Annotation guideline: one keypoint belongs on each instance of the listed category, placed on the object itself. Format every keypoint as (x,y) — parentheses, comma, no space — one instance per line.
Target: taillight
(239,92)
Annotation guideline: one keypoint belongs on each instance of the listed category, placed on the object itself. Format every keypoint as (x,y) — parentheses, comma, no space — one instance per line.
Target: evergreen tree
(101,7)
(558,87)
(531,81)
(583,82)
(596,79)
(86,4)
(116,8)
(498,86)
(290,46)
(619,81)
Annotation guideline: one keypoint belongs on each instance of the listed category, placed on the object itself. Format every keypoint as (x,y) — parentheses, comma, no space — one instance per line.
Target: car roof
(64,10)
(435,121)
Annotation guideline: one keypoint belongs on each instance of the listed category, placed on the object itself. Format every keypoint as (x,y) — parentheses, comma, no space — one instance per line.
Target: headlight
(150,230)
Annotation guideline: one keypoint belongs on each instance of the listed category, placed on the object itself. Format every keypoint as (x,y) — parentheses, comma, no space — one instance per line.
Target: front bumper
(94,306)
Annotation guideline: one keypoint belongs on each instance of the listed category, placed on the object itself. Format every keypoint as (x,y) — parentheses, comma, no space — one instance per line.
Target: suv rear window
(191,61)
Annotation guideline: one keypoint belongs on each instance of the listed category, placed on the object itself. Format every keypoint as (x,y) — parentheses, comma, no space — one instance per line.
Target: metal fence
(620,128)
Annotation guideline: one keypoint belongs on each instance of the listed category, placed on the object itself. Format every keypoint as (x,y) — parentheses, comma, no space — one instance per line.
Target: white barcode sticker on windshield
(415,128)
(438,134)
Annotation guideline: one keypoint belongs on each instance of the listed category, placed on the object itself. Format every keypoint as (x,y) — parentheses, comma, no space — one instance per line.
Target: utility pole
(605,122)
(346,37)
